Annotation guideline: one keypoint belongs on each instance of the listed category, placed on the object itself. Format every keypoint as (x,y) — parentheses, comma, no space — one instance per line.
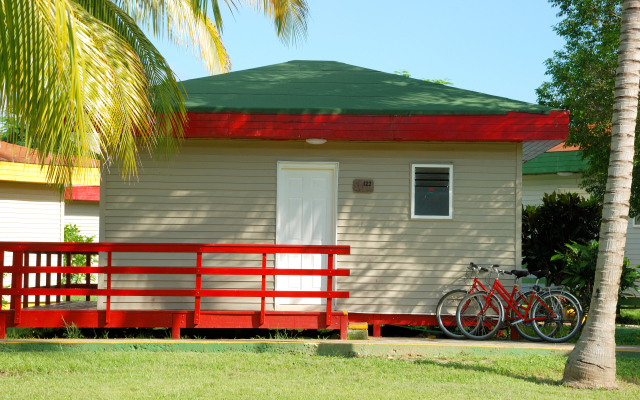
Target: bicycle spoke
(524,328)
(557,318)
(446,313)
(477,321)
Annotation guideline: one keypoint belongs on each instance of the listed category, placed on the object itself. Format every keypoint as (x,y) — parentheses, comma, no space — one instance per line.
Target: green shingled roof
(328,87)
(551,163)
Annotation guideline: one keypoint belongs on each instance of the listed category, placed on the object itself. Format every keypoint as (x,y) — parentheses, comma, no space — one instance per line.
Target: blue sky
(494,47)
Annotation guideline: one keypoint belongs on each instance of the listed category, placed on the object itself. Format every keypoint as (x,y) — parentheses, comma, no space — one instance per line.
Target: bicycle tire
(476,324)
(567,322)
(525,330)
(447,307)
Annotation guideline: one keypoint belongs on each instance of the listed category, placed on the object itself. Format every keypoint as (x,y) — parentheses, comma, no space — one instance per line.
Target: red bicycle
(448,304)
(555,316)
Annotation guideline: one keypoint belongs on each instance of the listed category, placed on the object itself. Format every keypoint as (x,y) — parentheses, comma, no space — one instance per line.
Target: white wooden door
(306,214)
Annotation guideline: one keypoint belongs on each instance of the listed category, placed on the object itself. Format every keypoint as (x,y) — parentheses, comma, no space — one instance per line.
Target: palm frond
(289,17)
(186,24)
(79,78)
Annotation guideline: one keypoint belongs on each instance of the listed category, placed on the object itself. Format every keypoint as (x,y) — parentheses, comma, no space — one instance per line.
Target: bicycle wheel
(563,324)
(524,329)
(446,313)
(477,322)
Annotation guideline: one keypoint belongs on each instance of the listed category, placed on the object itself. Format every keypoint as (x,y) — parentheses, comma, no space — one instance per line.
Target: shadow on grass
(628,370)
(461,365)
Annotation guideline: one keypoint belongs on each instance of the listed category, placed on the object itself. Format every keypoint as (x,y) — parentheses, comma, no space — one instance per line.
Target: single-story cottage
(420,179)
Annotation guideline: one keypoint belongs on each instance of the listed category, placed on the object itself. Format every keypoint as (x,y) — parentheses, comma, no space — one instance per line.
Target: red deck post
(14,284)
(264,287)
(514,335)
(47,299)
(376,326)
(59,276)
(38,263)
(88,276)
(329,287)
(175,327)
(25,298)
(18,259)
(196,312)
(108,311)
(3,326)
(344,325)
(68,276)
(1,280)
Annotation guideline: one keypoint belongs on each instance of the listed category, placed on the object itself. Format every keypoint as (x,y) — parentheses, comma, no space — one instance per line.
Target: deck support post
(108,307)
(2,277)
(514,335)
(196,308)
(16,301)
(376,325)
(264,287)
(25,276)
(38,264)
(3,327)
(175,328)
(68,276)
(344,325)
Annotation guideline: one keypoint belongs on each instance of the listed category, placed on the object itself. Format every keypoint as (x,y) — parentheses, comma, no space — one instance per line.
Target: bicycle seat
(520,274)
(540,274)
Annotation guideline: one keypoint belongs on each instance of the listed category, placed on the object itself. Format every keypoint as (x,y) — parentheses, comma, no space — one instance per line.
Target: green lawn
(125,375)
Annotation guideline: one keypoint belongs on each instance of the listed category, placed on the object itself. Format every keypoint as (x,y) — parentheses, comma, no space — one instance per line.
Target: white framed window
(431,191)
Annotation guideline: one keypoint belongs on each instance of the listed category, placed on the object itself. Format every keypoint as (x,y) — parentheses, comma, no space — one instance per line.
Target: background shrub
(579,272)
(561,219)
(72,234)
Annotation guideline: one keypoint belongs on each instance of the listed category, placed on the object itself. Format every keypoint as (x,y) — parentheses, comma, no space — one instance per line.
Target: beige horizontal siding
(225,192)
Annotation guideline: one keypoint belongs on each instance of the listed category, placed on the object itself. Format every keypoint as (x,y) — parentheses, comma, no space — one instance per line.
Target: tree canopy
(582,81)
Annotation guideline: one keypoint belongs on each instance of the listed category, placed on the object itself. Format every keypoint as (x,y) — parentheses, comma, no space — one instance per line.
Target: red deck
(53,312)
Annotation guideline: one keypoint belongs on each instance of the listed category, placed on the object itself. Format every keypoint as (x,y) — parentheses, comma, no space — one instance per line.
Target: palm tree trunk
(592,363)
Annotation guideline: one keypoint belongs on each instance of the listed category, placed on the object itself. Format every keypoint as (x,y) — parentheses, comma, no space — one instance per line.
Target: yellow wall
(33,173)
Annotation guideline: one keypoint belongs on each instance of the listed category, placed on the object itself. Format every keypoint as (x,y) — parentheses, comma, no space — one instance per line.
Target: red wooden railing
(20,270)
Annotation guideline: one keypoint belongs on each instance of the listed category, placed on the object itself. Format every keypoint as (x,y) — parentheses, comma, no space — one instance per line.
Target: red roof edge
(82,193)
(20,154)
(512,127)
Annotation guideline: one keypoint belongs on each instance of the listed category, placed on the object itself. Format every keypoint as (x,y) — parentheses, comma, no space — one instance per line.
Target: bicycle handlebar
(474,267)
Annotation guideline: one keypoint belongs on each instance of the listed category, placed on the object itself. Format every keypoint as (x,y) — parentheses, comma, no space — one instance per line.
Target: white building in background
(32,211)
(558,169)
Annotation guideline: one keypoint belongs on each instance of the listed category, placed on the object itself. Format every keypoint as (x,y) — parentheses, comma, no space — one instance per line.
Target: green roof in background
(551,163)
(329,87)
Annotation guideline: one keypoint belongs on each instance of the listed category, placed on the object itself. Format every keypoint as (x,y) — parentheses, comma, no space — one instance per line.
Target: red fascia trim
(512,127)
(164,319)
(82,193)
(208,319)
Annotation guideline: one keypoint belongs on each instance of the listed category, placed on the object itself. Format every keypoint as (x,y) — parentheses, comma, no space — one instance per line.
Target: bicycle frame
(511,304)
(476,283)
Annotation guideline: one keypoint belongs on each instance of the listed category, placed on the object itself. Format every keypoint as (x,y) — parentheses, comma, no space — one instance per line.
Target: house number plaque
(363,186)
